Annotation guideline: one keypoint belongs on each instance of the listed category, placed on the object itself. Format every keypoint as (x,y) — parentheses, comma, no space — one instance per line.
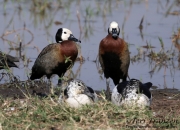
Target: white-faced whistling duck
(7,61)
(77,94)
(114,56)
(132,93)
(56,58)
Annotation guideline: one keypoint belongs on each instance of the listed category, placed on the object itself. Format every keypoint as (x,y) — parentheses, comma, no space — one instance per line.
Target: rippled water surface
(35,24)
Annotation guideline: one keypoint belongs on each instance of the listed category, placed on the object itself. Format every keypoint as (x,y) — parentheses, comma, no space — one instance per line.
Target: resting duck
(132,93)
(7,61)
(77,94)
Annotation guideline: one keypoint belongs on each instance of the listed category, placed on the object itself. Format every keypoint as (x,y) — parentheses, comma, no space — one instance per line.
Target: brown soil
(166,102)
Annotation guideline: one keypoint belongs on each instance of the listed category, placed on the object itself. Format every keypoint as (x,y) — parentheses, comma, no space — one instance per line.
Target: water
(95,17)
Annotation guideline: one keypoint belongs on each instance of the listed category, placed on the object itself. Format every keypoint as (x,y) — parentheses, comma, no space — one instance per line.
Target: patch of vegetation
(158,60)
(46,113)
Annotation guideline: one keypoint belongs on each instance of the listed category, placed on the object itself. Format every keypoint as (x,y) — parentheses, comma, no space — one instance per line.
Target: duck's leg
(51,87)
(108,95)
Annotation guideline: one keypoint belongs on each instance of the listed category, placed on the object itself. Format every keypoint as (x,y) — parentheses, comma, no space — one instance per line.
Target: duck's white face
(114,29)
(65,34)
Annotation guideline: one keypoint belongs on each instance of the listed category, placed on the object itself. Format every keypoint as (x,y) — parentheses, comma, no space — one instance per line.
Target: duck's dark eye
(64,32)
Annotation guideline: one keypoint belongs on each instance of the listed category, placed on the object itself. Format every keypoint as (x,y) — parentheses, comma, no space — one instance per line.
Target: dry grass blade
(141,23)
(141,27)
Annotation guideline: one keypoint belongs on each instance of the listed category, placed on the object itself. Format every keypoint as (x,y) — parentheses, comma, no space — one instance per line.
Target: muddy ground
(165,101)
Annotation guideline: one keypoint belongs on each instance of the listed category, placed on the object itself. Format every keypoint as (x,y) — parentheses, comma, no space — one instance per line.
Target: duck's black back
(144,88)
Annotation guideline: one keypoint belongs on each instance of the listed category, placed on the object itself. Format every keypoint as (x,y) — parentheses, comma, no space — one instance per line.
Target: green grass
(46,113)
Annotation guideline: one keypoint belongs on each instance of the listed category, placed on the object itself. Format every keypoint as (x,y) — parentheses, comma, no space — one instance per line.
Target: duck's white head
(132,86)
(64,34)
(136,86)
(114,29)
(75,88)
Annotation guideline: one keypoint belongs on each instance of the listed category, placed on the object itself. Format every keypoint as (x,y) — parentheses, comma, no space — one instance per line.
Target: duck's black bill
(114,33)
(72,38)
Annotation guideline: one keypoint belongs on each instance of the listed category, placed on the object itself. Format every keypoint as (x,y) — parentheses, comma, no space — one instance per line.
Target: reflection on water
(28,26)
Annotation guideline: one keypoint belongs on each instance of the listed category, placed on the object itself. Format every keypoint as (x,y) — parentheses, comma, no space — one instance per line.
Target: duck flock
(114,58)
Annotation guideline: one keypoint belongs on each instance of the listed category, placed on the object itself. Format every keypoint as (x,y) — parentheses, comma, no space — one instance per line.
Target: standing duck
(132,93)
(77,94)
(114,56)
(7,61)
(56,58)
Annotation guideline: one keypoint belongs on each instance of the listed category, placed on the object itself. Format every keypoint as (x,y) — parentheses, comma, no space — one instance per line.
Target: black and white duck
(77,94)
(132,93)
